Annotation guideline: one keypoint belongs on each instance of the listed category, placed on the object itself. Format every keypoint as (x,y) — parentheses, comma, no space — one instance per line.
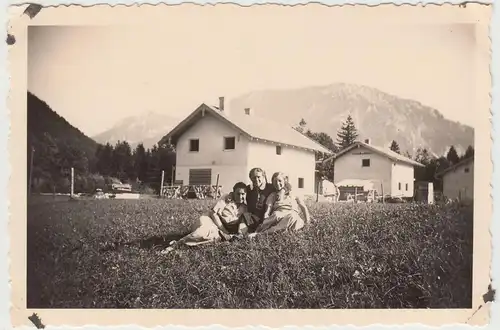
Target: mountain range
(380,116)
(148,128)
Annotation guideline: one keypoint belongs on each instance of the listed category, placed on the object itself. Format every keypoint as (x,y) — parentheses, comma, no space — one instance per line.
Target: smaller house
(389,173)
(458,180)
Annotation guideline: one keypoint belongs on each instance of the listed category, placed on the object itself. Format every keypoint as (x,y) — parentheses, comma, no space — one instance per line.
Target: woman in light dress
(283,209)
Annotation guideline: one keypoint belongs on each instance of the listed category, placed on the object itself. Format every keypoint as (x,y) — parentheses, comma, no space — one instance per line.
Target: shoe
(167,250)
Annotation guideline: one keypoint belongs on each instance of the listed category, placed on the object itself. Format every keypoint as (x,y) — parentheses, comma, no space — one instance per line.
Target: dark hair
(240,185)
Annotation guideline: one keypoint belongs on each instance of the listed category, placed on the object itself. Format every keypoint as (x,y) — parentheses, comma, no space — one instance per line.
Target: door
(200,176)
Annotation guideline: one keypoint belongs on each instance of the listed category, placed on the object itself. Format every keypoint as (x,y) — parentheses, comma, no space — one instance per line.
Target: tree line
(98,166)
(139,165)
(119,163)
(348,134)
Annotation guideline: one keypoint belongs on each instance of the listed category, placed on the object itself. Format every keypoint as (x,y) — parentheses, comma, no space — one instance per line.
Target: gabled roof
(384,152)
(453,167)
(255,128)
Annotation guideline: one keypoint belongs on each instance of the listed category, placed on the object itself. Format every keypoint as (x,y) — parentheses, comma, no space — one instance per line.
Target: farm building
(458,180)
(363,166)
(212,141)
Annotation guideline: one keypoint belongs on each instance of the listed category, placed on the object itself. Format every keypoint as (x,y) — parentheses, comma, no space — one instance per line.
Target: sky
(94,76)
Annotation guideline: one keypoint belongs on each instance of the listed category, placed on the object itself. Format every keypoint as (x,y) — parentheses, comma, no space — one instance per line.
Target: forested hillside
(57,146)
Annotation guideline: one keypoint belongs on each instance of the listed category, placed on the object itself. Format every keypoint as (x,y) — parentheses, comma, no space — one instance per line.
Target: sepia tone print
(266,168)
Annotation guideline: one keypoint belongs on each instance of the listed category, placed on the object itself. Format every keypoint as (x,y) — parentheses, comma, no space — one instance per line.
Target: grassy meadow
(104,254)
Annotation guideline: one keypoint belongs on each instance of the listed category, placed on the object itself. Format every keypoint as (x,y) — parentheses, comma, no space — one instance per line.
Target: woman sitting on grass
(282,212)
(226,220)
(257,194)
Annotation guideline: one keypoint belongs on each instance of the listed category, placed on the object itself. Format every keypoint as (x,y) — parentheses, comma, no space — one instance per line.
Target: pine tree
(422,156)
(104,156)
(347,134)
(469,152)
(122,161)
(452,156)
(395,147)
(302,126)
(140,162)
(324,139)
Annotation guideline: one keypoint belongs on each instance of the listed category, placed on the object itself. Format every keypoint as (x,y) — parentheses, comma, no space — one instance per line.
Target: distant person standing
(329,190)
(257,194)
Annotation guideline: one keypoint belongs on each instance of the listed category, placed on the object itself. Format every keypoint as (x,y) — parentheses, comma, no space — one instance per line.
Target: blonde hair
(287,186)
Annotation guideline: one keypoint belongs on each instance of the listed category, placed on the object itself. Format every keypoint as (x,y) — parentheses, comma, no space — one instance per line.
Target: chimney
(221,103)
(368,141)
(248,111)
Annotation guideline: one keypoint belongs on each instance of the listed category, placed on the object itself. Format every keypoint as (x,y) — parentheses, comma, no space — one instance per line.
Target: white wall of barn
(295,162)
(349,166)
(459,183)
(402,180)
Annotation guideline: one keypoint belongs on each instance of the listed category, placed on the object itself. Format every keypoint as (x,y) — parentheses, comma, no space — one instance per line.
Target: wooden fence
(199,191)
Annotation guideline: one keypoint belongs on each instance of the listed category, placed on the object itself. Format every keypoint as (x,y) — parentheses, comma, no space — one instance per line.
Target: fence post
(318,182)
(430,193)
(383,196)
(161,184)
(173,176)
(31,170)
(217,187)
(72,191)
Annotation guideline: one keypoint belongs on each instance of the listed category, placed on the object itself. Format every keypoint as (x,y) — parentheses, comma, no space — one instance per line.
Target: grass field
(104,254)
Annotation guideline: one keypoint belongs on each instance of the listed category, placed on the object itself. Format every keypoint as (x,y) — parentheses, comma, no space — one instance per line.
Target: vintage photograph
(313,164)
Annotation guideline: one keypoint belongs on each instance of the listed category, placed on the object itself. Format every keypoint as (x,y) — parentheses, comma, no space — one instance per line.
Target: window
(278,150)
(194,145)
(399,186)
(301,182)
(365,163)
(229,143)
(466,170)
(406,186)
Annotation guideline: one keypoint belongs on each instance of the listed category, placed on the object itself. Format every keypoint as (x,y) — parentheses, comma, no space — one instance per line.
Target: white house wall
(402,174)
(229,164)
(296,163)
(348,166)
(211,132)
(457,183)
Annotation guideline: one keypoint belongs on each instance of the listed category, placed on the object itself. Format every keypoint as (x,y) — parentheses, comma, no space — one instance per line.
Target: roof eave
(453,167)
(290,145)
(180,126)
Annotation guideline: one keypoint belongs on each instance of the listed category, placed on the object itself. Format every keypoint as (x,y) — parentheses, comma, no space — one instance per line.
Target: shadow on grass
(151,243)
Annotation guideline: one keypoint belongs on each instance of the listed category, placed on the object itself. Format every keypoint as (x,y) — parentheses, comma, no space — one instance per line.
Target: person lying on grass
(225,221)
(282,210)
(257,194)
